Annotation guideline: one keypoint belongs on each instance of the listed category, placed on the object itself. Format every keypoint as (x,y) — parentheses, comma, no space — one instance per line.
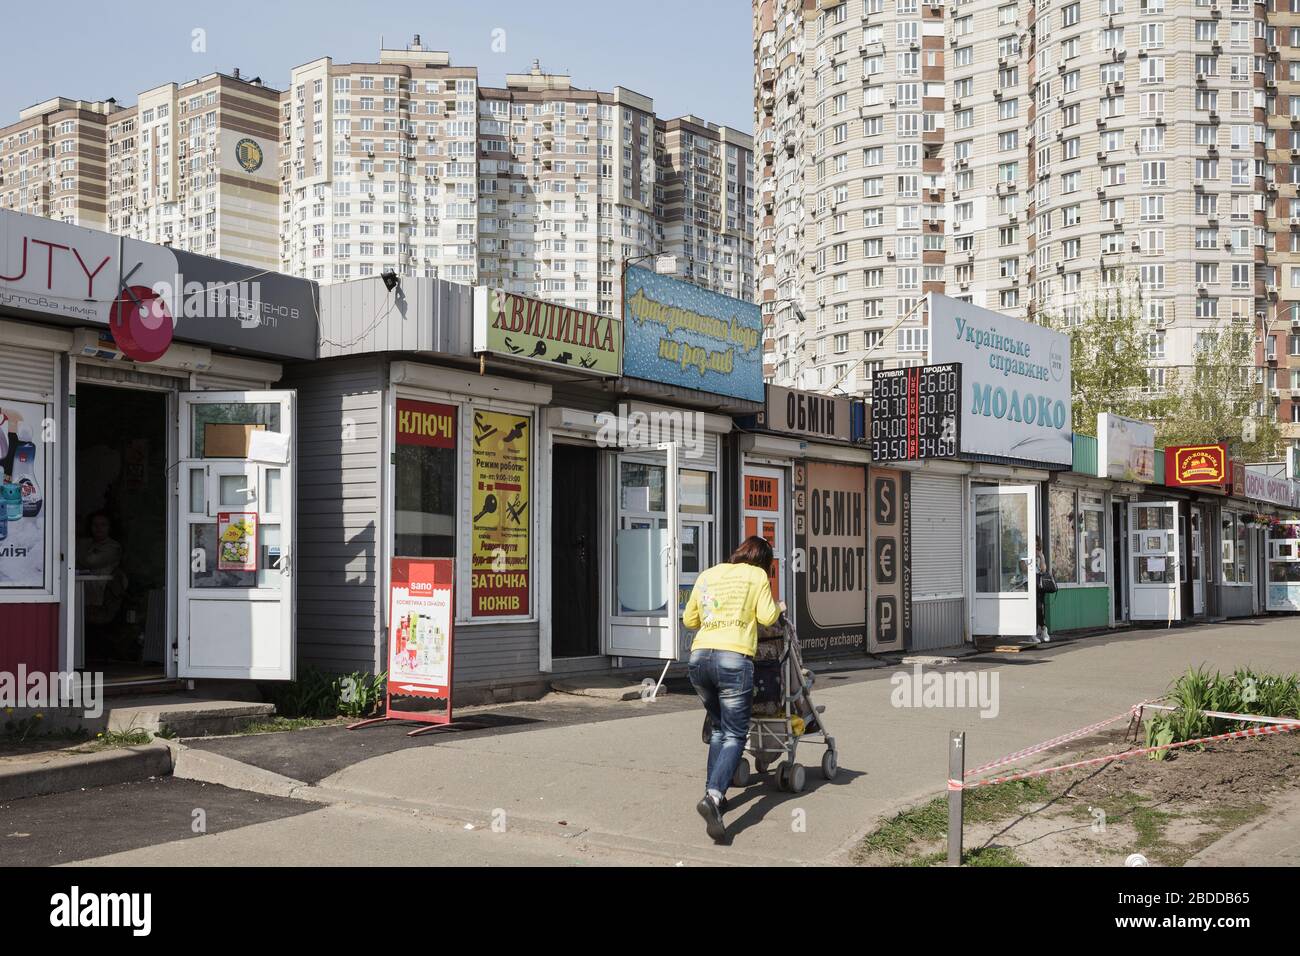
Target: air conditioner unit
(1200,78)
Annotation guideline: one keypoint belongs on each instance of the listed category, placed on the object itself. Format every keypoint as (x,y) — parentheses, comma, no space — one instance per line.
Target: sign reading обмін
(546,333)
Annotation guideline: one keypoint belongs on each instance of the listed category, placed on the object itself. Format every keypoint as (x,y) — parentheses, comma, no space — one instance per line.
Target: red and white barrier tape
(1231,735)
(1224,715)
(1055,741)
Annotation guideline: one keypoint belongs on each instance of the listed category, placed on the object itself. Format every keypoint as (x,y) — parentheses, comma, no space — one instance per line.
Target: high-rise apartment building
(379,168)
(1031,157)
(407,164)
(53,161)
(537,187)
(568,179)
(704,203)
(194,166)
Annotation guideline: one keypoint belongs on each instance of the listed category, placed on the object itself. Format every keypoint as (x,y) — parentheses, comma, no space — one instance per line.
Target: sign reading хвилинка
(545,333)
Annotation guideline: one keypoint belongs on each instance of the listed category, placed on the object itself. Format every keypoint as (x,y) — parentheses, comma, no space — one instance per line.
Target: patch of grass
(132,737)
(321,695)
(280,724)
(980,856)
(991,856)
(900,836)
(1242,692)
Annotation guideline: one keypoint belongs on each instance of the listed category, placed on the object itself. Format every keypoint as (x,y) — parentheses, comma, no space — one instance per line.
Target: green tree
(1215,399)
(1108,355)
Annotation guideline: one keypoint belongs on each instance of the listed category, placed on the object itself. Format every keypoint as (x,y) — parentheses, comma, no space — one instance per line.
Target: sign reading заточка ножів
(1016,379)
(680,334)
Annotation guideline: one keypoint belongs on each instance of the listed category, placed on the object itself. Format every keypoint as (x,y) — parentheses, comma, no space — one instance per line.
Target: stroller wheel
(830,764)
(741,777)
(782,777)
(796,777)
(762,766)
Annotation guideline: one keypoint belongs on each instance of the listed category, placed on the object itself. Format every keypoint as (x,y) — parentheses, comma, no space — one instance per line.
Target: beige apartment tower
(1028,157)
(53,161)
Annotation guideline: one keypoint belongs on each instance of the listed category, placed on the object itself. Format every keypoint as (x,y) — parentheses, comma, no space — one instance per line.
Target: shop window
(25,475)
(1235,543)
(1284,554)
(1077,524)
(500,463)
(1152,549)
(425,482)
(1002,546)
(222,430)
(1093,552)
(1062,525)
(640,584)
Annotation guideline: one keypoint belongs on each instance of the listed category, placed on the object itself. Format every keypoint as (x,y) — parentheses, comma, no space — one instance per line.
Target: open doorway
(575,552)
(122,532)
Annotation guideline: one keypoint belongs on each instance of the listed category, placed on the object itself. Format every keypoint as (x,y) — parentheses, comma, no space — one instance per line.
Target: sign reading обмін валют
(546,333)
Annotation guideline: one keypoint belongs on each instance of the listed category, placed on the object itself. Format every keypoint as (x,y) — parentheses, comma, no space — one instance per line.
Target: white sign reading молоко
(1016,381)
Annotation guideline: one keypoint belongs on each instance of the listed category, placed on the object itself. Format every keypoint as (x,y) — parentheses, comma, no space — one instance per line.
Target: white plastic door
(237,504)
(1006,571)
(647,556)
(764,516)
(1196,558)
(1153,551)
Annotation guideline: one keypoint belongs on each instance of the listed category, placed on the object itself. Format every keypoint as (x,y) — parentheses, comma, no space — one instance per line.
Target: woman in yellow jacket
(726,606)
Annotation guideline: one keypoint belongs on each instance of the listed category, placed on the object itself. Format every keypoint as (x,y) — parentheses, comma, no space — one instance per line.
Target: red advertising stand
(421,612)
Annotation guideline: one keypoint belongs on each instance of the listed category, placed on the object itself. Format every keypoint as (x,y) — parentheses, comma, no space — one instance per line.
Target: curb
(33,778)
(204,766)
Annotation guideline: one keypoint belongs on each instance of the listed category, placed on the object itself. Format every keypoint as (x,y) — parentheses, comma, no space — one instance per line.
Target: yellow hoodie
(726,604)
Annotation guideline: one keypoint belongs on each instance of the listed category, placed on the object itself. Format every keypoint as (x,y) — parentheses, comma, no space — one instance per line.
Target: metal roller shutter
(28,371)
(937,537)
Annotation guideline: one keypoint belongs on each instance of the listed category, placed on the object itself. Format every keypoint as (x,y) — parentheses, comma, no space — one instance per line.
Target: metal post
(956,789)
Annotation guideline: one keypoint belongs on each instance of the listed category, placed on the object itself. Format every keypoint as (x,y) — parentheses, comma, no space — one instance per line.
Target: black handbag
(1046,584)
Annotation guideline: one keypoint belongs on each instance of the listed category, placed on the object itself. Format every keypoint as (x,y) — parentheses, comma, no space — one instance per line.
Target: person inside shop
(1043,581)
(101,556)
(726,606)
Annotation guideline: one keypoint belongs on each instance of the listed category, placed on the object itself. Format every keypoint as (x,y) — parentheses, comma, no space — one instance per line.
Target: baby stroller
(783,716)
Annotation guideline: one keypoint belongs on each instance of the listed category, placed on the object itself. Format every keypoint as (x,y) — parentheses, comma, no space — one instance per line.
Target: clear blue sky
(691,56)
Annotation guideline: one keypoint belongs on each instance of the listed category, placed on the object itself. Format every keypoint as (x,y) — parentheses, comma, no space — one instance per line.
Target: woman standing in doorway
(726,606)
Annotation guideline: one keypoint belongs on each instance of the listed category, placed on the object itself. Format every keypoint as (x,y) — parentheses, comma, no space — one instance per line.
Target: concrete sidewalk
(625,789)
(1272,840)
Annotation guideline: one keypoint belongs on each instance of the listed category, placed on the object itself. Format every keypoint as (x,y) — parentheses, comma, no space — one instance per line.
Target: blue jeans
(725,682)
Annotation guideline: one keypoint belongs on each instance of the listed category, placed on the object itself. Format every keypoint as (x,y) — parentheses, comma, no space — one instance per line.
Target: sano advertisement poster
(420,635)
(500,546)
(24,469)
